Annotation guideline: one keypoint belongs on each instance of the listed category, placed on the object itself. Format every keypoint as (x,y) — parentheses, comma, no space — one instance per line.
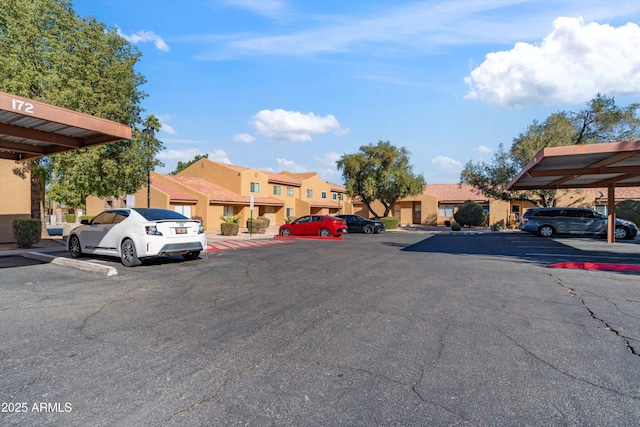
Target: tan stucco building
(210,190)
(15,198)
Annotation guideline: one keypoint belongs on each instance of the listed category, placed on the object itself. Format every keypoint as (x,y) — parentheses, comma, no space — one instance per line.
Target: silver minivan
(573,221)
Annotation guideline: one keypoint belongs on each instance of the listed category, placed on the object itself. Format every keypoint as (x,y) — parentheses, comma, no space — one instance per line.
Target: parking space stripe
(220,245)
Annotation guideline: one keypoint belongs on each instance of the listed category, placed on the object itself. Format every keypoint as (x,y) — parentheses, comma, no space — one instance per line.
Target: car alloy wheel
(325,232)
(368,229)
(621,233)
(128,254)
(546,231)
(74,247)
(286,232)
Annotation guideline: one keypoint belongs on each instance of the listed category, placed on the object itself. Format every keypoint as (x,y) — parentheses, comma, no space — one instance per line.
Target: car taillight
(524,219)
(152,230)
(200,229)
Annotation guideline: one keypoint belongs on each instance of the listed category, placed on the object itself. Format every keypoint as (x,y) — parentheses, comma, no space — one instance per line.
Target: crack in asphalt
(557,369)
(573,293)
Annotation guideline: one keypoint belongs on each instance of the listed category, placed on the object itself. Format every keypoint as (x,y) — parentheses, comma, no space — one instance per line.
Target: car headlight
(152,230)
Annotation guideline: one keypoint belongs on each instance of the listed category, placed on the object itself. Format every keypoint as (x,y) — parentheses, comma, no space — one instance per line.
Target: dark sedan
(358,224)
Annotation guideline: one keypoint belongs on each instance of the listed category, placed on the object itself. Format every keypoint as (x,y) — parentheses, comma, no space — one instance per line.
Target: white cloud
(290,166)
(179,155)
(292,126)
(243,137)
(330,175)
(447,164)
(219,156)
(261,7)
(167,128)
(412,27)
(329,158)
(186,155)
(484,149)
(573,63)
(145,36)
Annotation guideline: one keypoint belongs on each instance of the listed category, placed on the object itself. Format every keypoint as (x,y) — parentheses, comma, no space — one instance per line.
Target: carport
(31,129)
(610,165)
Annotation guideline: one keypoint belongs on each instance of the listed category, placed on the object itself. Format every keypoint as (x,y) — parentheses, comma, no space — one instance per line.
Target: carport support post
(611,214)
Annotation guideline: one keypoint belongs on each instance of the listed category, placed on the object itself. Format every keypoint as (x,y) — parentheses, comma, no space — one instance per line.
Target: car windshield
(160,214)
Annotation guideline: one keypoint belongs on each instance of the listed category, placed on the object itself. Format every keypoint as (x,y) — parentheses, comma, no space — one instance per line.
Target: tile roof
(278,178)
(174,193)
(274,177)
(454,193)
(337,188)
(216,193)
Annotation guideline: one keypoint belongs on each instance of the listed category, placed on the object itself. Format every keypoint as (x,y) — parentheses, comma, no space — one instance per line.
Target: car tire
(285,232)
(191,255)
(325,232)
(622,233)
(75,250)
(128,254)
(367,229)
(546,231)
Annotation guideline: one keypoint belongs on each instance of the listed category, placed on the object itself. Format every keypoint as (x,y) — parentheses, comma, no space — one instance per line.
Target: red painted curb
(309,237)
(597,266)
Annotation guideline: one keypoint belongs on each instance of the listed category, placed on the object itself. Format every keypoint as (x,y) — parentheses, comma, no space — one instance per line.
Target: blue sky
(294,84)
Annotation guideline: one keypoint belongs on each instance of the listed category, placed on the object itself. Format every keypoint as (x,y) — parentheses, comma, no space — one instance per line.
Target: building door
(516,212)
(417,213)
(269,212)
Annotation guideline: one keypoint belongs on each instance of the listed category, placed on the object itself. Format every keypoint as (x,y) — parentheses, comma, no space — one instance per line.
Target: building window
(602,209)
(334,196)
(183,209)
(309,194)
(277,190)
(290,191)
(445,210)
(254,187)
(229,211)
(324,194)
(289,212)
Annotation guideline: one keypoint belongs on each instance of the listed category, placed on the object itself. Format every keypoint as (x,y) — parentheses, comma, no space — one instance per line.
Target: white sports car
(133,234)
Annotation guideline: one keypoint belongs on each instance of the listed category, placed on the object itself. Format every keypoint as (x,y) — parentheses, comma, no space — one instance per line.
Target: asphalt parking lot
(391,329)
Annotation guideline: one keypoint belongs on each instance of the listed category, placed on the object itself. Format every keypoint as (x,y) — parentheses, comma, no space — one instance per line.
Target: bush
(470,214)
(87,217)
(629,210)
(70,218)
(455,227)
(290,219)
(230,219)
(26,232)
(258,225)
(390,222)
(264,218)
(229,228)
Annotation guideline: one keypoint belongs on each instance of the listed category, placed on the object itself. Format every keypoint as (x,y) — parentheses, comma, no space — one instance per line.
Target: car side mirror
(84,221)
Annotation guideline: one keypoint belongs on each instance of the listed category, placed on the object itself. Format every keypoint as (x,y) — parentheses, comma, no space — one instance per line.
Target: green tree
(380,172)
(601,121)
(183,165)
(50,54)
(470,214)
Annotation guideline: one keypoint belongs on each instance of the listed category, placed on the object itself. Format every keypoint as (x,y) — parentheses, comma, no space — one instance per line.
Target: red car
(315,225)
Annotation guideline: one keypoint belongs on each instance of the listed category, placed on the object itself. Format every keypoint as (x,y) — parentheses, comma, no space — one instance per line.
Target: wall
(15,199)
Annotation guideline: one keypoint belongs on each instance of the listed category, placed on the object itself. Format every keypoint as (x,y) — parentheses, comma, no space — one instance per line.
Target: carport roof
(615,164)
(31,129)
